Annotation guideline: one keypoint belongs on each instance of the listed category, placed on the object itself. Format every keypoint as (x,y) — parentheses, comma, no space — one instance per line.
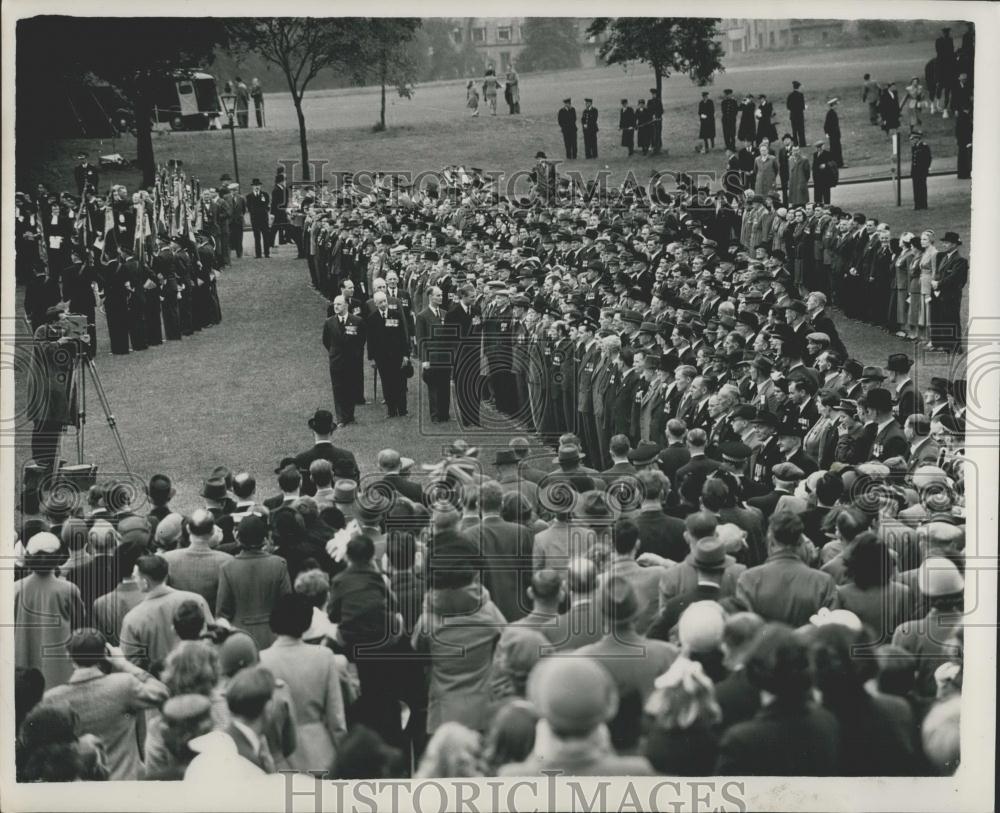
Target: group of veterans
(701,474)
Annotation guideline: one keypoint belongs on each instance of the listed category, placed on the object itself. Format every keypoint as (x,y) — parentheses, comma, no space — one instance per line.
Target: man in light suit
(435,356)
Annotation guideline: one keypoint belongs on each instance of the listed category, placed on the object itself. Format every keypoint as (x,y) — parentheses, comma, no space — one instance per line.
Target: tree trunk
(659,82)
(303,143)
(144,138)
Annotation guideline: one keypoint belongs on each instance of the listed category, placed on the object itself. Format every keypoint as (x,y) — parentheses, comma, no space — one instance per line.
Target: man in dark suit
(588,121)
(466,323)
(619,448)
(344,340)
(889,438)
(389,350)
(658,533)
(946,298)
(785,477)
(86,175)
(390,466)
(675,454)
(920,165)
(435,353)
(505,551)
(655,109)
(259,207)
(567,123)
(821,321)
(626,123)
(345,466)
(403,299)
(907,399)
(796,104)
(279,209)
(700,466)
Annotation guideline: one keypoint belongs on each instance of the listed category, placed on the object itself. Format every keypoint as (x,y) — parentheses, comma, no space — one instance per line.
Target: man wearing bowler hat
(345,466)
(951,277)
(907,399)
(567,123)
(889,440)
(258,204)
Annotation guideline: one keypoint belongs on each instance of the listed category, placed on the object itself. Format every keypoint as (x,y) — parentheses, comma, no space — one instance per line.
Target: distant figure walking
(831,126)
(242,104)
(512,92)
(706,121)
(472,97)
(257,94)
(490,87)
(914,101)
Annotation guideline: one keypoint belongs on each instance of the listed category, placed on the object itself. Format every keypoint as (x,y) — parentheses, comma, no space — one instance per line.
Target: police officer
(626,123)
(588,120)
(920,164)
(567,123)
(86,175)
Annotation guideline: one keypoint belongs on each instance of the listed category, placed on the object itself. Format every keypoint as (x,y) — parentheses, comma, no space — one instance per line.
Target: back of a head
(778,663)
(897,670)
(153,567)
(581,576)
(159,489)
(714,494)
(363,754)
(87,647)
(676,429)
(619,446)
(237,652)
(490,497)
(850,523)
(103,538)
(75,534)
(739,633)
(188,620)
(360,550)
(652,482)
(244,485)
(697,438)
(700,628)
(785,528)
(289,479)
(829,488)
(321,473)
(546,586)
(700,525)
(249,692)
(626,536)
(201,523)
(572,714)
(251,532)
(511,736)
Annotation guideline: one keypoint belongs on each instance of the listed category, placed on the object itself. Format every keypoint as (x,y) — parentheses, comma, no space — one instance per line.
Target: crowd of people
(702,473)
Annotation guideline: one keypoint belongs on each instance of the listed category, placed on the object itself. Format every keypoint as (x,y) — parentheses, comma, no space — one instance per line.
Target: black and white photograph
(536,412)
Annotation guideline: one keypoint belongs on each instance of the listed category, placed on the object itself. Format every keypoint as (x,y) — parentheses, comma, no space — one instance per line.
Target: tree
(130,53)
(381,54)
(300,47)
(551,44)
(667,44)
(440,56)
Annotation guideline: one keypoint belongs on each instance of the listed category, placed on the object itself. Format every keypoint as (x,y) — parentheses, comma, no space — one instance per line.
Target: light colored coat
(798,180)
(43,645)
(313,680)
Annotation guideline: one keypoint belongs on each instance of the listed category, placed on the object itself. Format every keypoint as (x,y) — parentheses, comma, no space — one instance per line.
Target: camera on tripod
(75,325)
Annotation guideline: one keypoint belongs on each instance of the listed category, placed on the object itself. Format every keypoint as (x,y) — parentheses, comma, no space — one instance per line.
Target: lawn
(433,129)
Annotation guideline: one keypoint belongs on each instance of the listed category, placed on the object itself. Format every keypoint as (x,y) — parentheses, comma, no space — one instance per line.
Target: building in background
(741,34)
(500,40)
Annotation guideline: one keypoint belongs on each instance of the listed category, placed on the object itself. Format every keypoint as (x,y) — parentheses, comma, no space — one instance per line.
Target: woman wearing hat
(898,316)
(927,264)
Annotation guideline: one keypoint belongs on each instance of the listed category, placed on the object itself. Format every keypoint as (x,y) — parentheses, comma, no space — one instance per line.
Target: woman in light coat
(927,264)
(313,679)
(472,97)
(899,301)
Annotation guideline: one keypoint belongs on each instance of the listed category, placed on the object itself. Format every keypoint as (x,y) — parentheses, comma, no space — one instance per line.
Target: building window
(456,36)
(795,39)
(826,35)
(504,33)
(504,61)
(479,35)
(771,38)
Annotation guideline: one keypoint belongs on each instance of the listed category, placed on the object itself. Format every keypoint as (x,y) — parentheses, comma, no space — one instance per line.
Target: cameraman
(53,407)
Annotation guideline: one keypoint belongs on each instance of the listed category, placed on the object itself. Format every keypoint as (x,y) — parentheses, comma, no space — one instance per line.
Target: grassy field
(434,128)
(239,394)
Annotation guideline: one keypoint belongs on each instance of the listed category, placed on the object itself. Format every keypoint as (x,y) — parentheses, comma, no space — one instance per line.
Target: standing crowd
(702,472)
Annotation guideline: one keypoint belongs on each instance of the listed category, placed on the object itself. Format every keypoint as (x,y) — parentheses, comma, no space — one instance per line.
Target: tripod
(82,364)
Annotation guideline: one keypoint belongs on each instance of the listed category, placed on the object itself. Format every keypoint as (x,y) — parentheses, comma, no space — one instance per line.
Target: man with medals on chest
(344,340)
(389,351)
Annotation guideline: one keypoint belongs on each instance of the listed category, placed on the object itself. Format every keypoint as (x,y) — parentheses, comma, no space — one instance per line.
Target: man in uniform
(344,340)
(466,323)
(567,123)
(626,123)
(920,165)
(389,351)
(258,203)
(86,175)
(239,210)
(796,104)
(588,120)
(831,126)
(729,108)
